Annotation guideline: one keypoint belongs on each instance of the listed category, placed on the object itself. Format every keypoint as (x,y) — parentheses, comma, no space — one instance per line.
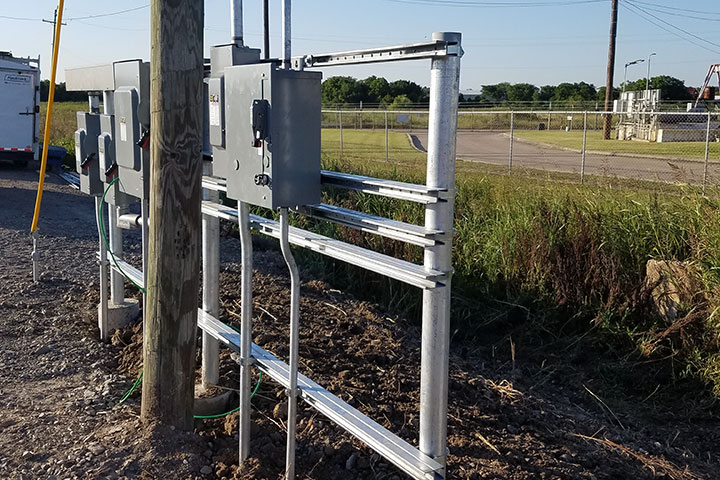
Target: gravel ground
(59,386)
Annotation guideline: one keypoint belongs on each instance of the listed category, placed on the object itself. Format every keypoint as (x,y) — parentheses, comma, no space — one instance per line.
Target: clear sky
(562,40)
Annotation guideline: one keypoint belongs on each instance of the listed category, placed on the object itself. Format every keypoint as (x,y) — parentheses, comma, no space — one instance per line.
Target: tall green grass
(571,258)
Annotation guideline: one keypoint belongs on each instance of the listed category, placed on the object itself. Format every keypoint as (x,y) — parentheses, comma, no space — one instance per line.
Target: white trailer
(19,108)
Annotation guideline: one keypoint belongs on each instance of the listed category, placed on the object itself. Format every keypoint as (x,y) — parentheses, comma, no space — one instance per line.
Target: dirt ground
(511,416)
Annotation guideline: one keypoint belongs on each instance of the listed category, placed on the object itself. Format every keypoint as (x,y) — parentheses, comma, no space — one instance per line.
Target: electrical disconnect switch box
(272,119)
(86,153)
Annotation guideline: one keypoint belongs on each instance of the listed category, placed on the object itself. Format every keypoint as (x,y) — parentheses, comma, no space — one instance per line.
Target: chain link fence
(650,146)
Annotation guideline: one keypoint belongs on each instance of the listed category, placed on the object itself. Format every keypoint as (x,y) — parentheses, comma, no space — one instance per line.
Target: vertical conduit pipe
(117,282)
(444,92)
(294,343)
(246,254)
(286,41)
(266,29)
(236,17)
(103,263)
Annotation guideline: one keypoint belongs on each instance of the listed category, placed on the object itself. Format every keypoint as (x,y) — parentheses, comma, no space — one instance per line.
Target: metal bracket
(415,51)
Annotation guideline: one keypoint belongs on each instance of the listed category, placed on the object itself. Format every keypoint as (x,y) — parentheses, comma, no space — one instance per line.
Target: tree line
(378,92)
(503,93)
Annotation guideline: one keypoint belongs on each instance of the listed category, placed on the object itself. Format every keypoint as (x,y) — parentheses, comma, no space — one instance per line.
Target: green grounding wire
(101,222)
(203,417)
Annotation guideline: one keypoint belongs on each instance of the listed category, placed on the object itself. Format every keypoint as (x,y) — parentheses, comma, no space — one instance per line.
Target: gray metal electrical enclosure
(272,119)
(133,164)
(86,153)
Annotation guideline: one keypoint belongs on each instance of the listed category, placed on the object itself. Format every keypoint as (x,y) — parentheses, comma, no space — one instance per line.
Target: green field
(595,142)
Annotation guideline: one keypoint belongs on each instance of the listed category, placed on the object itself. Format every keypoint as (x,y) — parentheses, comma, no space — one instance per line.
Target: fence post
(387,139)
(341,133)
(512,140)
(707,153)
(584,148)
(435,344)
(549,115)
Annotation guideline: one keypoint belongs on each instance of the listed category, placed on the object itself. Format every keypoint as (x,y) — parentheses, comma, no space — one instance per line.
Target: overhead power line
(484,4)
(99,15)
(639,12)
(674,8)
(675,26)
(676,14)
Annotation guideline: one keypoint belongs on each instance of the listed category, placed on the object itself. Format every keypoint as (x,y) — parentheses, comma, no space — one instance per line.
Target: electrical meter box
(131,132)
(107,163)
(221,57)
(130,138)
(86,153)
(272,121)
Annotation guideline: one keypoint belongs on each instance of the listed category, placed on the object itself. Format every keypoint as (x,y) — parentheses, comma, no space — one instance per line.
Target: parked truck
(19,108)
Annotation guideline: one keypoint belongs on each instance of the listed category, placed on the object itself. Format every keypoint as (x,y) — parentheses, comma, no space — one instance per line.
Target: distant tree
(412,90)
(544,93)
(61,93)
(671,88)
(341,90)
(400,102)
(378,89)
(574,92)
(497,93)
(521,92)
(601,94)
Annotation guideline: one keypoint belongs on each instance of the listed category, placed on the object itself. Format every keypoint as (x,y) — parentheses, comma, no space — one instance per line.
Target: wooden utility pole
(610,71)
(176,86)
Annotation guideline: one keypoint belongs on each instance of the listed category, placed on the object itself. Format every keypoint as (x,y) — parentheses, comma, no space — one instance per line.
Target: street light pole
(640,60)
(647,85)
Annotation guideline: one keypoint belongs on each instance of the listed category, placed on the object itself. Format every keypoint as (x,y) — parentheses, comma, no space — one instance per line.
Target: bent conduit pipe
(294,343)
(246,253)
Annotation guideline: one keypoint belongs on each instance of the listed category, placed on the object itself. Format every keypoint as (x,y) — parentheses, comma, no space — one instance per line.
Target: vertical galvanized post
(549,115)
(584,148)
(442,135)
(210,288)
(387,139)
(117,285)
(512,141)
(103,263)
(707,153)
(246,305)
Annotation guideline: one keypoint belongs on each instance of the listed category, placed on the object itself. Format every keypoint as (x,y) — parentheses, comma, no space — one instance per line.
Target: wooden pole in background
(175,216)
(610,71)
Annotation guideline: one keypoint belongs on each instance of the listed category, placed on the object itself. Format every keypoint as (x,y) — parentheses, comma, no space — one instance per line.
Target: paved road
(494,148)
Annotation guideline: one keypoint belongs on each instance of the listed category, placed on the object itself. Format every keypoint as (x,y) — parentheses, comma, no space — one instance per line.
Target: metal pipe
(341,134)
(286,40)
(103,263)
(236,17)
(584,149)
(266,28)
(707,153)
(130,221)
(435,344)
(512,140)
(294,343)
(35,257)
(117,282)
(211,281)
(246,253)
(109,103)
